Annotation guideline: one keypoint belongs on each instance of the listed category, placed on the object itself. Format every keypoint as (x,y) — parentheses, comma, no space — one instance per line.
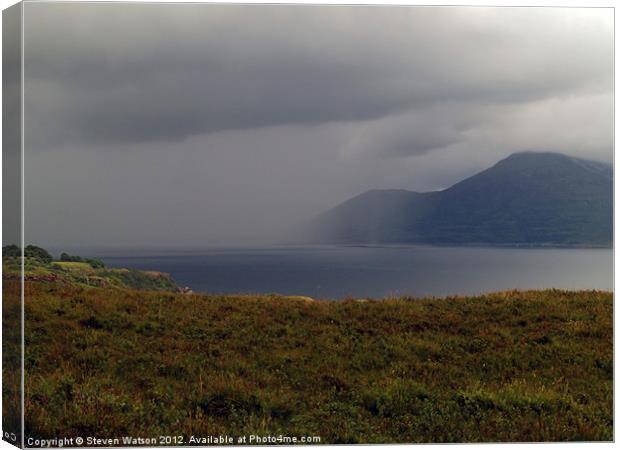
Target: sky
(188,125)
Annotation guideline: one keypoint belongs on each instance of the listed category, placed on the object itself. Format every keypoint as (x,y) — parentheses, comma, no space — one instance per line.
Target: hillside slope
(511,366)
(84,274)
(527,198)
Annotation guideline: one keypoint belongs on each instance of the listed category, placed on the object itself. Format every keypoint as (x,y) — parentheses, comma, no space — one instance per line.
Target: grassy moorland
(510,366)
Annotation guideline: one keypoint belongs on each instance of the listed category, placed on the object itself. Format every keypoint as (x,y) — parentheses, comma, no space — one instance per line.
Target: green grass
(511,366)
(77,266)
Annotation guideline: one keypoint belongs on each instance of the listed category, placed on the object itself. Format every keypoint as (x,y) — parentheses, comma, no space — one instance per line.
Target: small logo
(10,436)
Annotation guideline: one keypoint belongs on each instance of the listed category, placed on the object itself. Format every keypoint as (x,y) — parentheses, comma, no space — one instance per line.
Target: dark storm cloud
(105,73)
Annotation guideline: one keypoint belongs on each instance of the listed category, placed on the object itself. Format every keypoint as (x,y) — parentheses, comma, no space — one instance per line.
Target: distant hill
(526,199)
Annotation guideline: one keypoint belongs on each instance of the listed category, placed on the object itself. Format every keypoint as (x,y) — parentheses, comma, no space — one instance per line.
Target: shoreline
(139,252)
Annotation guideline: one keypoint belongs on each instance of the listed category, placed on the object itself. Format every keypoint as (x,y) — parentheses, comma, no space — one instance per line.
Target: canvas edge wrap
(12,218)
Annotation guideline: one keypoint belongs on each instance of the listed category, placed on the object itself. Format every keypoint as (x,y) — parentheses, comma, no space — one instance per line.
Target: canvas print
(230,224)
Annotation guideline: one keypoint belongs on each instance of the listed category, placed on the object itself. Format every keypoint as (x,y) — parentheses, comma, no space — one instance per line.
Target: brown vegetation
(510,366)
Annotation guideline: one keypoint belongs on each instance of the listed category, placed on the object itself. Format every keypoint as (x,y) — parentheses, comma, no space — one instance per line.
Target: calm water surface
(342,271)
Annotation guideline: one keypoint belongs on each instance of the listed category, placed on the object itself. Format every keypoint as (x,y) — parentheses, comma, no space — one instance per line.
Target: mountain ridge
(528,198)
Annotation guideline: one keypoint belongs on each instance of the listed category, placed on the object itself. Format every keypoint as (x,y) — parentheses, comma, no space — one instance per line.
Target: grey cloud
(130,73)
(415,132)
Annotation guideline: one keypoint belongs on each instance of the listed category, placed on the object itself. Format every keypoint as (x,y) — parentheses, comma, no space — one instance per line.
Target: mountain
(526,199)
